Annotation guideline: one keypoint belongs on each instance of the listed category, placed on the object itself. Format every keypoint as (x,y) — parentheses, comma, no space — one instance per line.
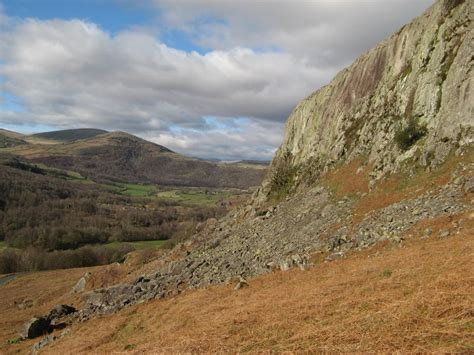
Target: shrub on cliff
(408,136)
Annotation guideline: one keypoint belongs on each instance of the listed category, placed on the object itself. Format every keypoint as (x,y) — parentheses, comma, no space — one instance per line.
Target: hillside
(411,299)
(9,139)
(69,135)
(11,134)
(358,240)
(119,156)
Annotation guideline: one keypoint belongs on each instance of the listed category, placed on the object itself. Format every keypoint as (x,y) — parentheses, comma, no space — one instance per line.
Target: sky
(205,78)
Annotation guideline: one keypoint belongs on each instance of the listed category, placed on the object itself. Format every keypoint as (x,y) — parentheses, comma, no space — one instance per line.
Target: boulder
(36,326)
(81,284)
(40,325)
(60,311)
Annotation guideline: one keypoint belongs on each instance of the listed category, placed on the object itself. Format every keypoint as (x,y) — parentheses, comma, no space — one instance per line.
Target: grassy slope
(7,141)
(11,134)
(194,196)
(144,244)
(415,298)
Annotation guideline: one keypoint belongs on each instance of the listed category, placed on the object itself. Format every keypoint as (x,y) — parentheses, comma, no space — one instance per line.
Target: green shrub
(408,136)
(15,340)
(283,177)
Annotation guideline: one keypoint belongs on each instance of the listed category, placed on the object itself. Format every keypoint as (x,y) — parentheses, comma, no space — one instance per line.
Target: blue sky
(111,15)
(214,79)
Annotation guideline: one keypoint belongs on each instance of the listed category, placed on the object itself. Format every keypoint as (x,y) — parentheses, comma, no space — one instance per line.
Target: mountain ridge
(120,156)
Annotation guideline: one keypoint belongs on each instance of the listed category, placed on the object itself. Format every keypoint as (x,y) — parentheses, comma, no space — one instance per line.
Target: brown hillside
(416,298)
(119,156)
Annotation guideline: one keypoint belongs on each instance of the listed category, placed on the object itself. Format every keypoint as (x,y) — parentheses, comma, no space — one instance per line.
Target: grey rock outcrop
(421,75)
(82,283)
(60,311)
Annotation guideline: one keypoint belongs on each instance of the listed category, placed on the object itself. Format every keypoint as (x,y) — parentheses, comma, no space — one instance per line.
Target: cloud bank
(230,102)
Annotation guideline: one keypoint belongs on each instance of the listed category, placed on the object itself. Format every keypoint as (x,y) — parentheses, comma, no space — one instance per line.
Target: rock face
(416,86)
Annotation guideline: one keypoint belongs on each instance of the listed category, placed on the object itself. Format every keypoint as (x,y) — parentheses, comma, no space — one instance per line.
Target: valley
(70,217)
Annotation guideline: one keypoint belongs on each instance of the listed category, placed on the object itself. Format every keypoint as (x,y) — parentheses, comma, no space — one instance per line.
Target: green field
(195,197)
(2,245)
(144,244)
(137,190)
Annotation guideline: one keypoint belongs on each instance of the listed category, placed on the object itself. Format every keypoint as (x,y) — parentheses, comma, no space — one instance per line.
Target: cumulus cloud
(264,58)
(328,33)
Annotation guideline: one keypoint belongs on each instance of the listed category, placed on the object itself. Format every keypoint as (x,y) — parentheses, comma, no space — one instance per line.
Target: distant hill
(119,156)
(70,135)
(11,134)
(10,139)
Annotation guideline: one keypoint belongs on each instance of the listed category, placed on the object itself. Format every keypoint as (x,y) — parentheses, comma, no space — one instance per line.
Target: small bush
(408,136)
(15,340)
(283,177)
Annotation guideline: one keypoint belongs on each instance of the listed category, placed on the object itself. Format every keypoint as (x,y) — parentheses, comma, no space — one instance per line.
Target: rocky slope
(408,100)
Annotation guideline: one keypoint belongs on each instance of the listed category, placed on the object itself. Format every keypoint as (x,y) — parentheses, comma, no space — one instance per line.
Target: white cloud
(329,33)
(251,140)
(74,74)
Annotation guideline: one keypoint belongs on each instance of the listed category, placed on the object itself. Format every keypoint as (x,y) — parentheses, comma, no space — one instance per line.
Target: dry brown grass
(418,298)
(348,179)
(344,181)
(44,290)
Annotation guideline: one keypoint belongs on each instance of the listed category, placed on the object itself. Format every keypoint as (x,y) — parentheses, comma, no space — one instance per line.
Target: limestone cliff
(409,99)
